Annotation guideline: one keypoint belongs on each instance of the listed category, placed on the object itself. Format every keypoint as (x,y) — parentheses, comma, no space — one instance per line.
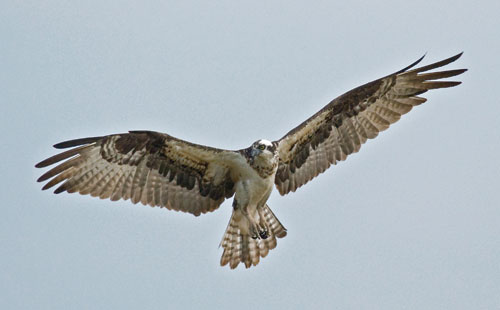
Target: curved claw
(263,234)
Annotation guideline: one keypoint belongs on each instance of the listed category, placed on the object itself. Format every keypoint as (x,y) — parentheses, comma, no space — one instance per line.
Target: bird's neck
(265,167)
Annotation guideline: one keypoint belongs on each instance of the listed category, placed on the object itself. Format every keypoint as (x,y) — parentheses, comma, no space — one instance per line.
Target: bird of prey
(159,170)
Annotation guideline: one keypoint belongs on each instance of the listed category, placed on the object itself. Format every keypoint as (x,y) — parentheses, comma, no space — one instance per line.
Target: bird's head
(263,149)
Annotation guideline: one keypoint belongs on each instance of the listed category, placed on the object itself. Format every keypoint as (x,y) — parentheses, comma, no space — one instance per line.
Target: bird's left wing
(342,126)
(144,166)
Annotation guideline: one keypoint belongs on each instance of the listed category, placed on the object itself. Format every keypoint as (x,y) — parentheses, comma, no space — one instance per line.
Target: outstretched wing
(342,126)
(143,166)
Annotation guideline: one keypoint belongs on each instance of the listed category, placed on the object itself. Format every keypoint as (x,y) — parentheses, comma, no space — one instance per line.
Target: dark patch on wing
(340,128)
(141,165)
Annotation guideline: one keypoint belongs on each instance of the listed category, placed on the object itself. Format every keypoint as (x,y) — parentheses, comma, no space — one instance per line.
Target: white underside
(251,190)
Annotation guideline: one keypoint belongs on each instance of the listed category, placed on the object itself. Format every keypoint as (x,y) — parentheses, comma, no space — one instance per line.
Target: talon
(263,234)
(253,233)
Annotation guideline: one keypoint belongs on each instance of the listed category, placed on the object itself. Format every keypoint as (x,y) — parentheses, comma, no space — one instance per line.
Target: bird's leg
(264,232)
(252,225)
(257,229)
(243,207)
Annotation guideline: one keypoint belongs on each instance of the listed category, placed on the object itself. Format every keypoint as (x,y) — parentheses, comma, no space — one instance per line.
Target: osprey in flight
(159,170)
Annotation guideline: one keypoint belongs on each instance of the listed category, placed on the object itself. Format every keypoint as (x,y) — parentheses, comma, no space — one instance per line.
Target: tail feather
(272,222)
(239,246)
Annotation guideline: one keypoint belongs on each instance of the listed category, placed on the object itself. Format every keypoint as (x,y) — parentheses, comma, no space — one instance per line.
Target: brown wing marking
(143,166)
(347,122)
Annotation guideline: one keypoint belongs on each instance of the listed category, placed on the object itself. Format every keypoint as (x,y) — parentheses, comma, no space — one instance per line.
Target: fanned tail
(239,246)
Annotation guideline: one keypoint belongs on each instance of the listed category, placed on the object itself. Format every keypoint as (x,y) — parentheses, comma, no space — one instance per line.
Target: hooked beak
(255,152)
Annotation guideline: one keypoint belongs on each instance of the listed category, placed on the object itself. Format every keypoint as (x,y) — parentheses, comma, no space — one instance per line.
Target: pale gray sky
(410,222)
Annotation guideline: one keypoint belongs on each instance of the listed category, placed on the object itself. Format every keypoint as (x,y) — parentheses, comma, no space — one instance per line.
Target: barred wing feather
(143,166)
(347,122)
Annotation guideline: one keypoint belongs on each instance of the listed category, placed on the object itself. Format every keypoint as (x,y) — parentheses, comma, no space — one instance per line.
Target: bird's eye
(262,147)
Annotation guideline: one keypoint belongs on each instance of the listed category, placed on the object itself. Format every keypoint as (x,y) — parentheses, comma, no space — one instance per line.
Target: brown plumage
(143,166)
(159,170)
(342,126)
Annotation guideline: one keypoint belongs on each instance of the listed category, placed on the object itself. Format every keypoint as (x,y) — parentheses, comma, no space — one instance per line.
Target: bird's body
(159,170)
(253,228)
(254,183)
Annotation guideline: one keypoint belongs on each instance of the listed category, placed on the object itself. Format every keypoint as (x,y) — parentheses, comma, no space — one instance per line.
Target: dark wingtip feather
(439,63)
(76,142)
(452,84)
(58,157)
(439,75)
(413,64)
(58,169)
(457,56)
(60,189)
(42,178)
(44,163)
(440,84)
(431,66)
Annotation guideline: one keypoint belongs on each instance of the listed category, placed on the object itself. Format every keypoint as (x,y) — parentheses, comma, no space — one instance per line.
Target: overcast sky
(410,222)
